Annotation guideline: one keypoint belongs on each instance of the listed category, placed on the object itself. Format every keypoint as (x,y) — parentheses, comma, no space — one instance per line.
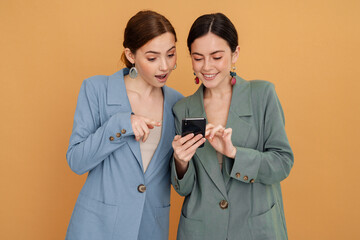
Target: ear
(235,55)
(129,55)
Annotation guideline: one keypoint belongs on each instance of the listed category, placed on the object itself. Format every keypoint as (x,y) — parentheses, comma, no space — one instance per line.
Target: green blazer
(243,201)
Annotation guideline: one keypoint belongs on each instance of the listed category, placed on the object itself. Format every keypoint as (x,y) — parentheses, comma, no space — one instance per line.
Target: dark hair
(141,28)
(216,23)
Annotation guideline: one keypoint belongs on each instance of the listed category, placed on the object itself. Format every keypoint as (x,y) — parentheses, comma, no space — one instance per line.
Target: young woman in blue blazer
(231,185)
(122,133)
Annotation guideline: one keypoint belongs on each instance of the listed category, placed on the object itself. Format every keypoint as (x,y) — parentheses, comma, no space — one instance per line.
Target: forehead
(160,43)
(209,43)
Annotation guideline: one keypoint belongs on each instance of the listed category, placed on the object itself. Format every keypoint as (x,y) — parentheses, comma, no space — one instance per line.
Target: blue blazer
(111,205)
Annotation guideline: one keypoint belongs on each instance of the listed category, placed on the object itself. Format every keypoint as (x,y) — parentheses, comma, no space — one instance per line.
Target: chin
(159,84)
(210,84)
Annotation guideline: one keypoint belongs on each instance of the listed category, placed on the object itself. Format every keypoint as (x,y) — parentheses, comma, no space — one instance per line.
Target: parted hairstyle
(216,23)
(143,27)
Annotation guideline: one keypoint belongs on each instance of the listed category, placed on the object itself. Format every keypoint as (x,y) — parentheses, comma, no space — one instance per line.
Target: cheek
(196,66)
(145,68)
(225,64)
(172,61)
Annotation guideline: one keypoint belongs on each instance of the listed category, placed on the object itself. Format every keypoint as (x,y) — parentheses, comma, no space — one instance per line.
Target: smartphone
(193,125)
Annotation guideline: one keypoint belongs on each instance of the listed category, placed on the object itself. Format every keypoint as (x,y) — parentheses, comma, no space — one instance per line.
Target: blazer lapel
(164,145)
(118,100)
(207,154)
(239,113)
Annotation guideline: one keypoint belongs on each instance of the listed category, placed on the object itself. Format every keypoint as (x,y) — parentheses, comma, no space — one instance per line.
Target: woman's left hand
(220,139)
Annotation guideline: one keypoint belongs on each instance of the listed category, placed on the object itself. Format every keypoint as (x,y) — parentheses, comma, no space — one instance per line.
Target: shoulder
(96,82)
(260,89)
(181,104)
(172,95)
(101,83)
(94,85)
(260,85)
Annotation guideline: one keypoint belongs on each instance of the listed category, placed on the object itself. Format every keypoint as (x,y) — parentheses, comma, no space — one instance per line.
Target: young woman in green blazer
(231,185)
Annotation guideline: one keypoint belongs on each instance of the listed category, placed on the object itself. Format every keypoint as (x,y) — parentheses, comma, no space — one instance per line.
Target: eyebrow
(196,53)
(159,52)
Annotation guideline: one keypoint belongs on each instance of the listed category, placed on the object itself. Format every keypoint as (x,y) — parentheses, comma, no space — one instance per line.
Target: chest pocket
(244,131)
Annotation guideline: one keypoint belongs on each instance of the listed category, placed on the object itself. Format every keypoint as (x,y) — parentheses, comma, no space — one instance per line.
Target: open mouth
(162,77)
(209,76)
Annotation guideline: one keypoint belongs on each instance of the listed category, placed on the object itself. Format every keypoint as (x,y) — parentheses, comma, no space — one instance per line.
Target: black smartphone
(193,125)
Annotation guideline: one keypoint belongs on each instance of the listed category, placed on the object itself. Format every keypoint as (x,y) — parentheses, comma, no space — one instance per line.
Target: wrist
(180,163)
(233,153)
(181,167)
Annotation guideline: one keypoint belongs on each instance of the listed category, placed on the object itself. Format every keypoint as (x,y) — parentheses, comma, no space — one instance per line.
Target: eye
(197,59)
(171,55)
(217,58)
(151,59)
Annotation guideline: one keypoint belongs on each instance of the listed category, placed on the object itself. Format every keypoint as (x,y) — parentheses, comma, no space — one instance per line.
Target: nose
(164,65)
(207,65)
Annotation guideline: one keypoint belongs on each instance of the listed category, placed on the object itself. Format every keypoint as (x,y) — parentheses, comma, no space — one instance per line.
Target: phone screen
(193,125)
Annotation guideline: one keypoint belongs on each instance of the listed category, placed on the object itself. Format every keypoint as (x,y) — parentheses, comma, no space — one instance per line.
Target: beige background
(309,49)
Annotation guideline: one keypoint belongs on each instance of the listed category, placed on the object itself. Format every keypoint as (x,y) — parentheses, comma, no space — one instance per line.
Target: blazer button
(123,131)
(252,181)
(118,135)
(223,204)
(111,138)
(141,188)
(237,175)
(246,178)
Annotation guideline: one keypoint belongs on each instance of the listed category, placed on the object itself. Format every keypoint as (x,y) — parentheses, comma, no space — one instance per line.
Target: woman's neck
(140,87)
(224,89)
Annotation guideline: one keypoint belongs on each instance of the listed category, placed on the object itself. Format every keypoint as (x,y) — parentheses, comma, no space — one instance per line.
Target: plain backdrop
(309,49)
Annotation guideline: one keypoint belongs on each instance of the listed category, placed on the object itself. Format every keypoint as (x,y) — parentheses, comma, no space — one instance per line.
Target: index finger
(151,122)
(186,138)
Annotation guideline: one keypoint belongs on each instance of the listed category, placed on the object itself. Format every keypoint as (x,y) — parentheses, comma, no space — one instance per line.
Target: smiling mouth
(209,76)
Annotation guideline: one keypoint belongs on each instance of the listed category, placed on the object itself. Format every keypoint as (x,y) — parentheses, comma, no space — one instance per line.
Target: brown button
(223,204)
(141,188)
(118,135)
(176,186)
(111,138)
(252,180)
(237,175)
(123,131)
(246,178)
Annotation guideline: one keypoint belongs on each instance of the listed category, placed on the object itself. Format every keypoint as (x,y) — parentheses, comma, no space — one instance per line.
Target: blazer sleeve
(90,142)
(274,163)
(185,185)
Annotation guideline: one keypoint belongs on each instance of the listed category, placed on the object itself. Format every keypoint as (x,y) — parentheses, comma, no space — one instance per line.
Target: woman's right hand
(141,126)
(184,149)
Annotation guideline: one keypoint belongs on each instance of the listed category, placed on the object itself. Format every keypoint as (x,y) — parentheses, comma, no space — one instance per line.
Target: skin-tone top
(220,159)
(148,147)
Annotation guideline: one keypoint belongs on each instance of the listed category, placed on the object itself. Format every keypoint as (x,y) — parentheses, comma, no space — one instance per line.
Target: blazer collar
(240,107)
(116,92)
(240,100)
(117,95)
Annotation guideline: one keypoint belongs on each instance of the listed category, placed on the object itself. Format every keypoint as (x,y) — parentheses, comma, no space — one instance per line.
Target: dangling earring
(175,66)
(233,75)
(196,79)
(133,72)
